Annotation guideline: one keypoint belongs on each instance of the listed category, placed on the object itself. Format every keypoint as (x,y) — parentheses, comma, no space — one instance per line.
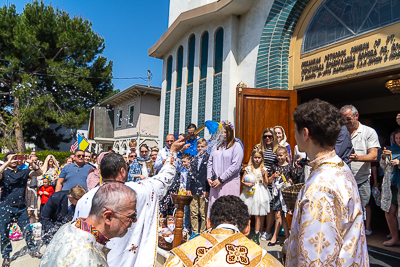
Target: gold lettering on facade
(361,55)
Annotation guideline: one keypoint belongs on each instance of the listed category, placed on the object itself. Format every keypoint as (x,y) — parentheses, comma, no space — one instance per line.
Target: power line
(75,75)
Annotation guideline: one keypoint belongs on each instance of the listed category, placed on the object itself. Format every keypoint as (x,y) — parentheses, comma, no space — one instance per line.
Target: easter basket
(290,195)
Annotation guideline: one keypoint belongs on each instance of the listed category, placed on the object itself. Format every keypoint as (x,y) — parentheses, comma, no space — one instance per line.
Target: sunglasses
(268,136)
(131,156)
(130,218)
(79,156)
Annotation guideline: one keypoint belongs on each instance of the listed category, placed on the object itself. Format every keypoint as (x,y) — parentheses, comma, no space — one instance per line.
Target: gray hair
(351,107)
(113,196)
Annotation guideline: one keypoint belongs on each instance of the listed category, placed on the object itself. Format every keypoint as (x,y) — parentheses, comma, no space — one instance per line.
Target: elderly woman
(223,167)
(390,187)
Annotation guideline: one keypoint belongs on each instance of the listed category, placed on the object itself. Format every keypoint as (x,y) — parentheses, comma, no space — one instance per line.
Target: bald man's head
(169,139)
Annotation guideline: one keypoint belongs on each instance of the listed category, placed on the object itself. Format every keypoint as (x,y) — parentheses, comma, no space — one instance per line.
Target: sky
(129,29)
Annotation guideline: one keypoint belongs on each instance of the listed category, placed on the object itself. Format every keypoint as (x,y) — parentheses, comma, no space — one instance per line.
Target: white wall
(176,7)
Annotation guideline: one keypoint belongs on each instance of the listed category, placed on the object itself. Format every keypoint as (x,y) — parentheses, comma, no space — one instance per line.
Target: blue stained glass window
(202,102)
(177,110)
(219,50)
(216,113)
(204,56)
(169,73)
(189,104)
(179,66)
(337,20)
(192,44)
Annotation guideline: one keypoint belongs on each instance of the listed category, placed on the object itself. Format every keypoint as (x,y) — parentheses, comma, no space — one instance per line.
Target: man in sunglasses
(137,248)
(74,174)
(82,242)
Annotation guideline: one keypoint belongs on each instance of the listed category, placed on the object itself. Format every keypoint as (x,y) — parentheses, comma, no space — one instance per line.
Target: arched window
(218,61)
(169,73)
(204,55)
(168,95)
(189,88)
(179,65)
(203,78)
(192,45)
(219,49)
(337,20)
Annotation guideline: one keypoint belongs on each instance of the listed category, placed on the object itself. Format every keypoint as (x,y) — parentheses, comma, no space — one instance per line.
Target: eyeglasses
(131,156)
(347,119)
(130,218)
(268,136)
(79,156)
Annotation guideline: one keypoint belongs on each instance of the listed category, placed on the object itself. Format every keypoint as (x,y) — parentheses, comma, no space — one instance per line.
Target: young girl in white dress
(255,193)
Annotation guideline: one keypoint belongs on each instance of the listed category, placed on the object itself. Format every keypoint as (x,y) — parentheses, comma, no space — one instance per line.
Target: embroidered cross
(351,247)
(200,252)
(133,248)
(237,254)
(319,242)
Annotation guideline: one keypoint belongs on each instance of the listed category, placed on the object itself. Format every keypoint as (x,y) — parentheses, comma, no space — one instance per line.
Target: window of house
(191,51)
(219,50)
(119,118)
(130,114)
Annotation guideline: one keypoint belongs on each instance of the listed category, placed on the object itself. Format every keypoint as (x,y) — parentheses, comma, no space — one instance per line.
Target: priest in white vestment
(139,246)
(82,242)
(327,227)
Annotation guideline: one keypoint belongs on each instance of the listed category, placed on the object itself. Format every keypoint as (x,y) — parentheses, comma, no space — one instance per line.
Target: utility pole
(149,77)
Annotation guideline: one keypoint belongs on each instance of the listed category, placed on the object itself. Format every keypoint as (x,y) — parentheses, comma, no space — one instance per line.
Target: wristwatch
(219,179)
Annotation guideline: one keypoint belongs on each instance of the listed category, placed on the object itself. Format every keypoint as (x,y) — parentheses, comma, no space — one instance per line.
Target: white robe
(74,247)
(327,227)
(139,246)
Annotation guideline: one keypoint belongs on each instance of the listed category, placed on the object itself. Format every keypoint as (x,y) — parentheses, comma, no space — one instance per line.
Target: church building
(253,61)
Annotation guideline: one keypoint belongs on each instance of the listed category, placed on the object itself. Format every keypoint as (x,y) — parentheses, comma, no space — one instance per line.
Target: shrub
(60,156)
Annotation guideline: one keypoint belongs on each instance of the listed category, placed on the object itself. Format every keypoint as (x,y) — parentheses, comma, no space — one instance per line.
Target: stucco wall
(176,7)
(146,116)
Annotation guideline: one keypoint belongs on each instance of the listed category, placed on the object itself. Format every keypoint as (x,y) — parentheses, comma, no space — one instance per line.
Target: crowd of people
(112,201)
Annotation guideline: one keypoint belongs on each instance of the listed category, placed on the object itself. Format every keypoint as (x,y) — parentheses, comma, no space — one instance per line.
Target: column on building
(178,91)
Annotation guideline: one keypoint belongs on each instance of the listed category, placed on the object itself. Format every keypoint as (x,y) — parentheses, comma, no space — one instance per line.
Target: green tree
(51,71)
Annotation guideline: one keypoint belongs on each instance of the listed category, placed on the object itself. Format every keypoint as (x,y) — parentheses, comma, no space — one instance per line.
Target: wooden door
(257,109)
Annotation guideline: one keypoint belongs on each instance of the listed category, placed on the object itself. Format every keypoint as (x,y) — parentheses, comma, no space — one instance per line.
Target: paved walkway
(20,256)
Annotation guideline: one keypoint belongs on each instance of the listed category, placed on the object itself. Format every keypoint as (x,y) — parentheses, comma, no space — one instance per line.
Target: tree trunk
(18,128)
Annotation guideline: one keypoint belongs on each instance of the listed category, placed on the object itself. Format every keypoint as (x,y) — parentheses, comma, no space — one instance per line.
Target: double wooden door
(257,109)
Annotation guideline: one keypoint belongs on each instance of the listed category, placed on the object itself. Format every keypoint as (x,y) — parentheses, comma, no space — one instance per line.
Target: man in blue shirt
(74,174)
(191,143)
(13,207)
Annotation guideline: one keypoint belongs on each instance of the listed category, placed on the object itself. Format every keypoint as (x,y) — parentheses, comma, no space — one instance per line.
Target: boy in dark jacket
(198,187)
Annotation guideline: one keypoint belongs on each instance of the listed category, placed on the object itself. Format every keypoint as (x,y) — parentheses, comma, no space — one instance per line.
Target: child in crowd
(33,218)
(45,192)
(281,176)
(183,171)
(255,193)
(198,187)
